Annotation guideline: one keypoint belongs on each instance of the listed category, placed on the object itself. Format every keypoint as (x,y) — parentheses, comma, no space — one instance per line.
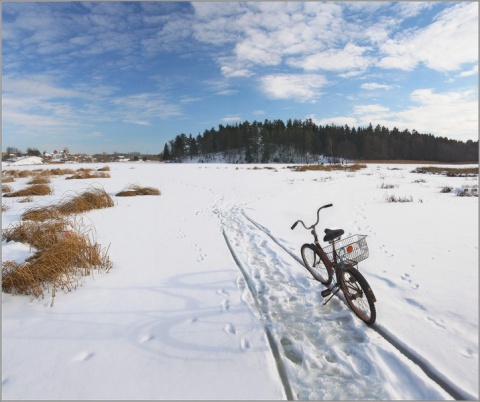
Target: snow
(207,299)
(29,160)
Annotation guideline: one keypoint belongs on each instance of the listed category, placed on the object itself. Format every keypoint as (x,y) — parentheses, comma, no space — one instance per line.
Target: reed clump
(58,266)
(32,190)
(40,235)
(328,168)
(94,198)
(65,250)
(134,190)
(39,180)
(88,174)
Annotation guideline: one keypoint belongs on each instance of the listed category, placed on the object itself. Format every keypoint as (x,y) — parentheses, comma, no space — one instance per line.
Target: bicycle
(341,258)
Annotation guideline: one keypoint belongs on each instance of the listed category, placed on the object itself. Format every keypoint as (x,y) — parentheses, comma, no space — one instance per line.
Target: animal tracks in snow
(82,357)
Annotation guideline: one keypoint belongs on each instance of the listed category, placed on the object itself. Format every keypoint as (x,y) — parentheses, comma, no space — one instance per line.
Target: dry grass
(5,207)
(328,168)
(104,169)
(6,189)
(57,266)
(39,180)
(94,198)
(59,172)
(35,189)
(447,171)
(88,174)
(17,173)
(40,214)
(64,252)
(394,198)
(134,190)
(26,199)
(8,179)
(40,235)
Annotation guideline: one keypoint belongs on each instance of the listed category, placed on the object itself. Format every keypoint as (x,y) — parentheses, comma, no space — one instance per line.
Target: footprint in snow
(230,329)
(146,338)
(437,322)
(84,356)
(244,344)
(222,292)
(291,352)
(225,305)
(180,235)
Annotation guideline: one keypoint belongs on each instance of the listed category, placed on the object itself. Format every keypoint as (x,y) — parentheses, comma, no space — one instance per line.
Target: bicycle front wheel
(359,295)
(315,265)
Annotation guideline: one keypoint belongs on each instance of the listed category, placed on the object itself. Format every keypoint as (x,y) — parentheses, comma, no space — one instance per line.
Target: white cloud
(473,71)
(227,92)
(231,72)
(142,107)
(231,119)
(351,57)
(371,110)
(298,87)
(448,114)
(374,85)
(38,86)
(450,41)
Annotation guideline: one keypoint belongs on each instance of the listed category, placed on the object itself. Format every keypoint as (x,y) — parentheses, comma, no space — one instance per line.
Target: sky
(130,76)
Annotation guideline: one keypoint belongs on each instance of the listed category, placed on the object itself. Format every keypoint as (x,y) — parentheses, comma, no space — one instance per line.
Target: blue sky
(130,76)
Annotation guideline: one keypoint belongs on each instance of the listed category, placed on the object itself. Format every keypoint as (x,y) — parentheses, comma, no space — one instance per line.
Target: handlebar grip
(328,206)
(295,224)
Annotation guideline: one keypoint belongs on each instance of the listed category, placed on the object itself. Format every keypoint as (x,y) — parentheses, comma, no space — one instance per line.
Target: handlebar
(316,223)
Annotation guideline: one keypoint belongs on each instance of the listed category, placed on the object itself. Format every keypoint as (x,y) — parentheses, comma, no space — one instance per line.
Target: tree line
(305,141)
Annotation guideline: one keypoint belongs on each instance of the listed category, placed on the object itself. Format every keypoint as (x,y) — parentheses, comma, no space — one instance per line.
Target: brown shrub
(35,189)
(134,190)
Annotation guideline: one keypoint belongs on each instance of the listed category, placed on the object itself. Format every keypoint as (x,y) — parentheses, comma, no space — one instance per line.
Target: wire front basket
(350,250)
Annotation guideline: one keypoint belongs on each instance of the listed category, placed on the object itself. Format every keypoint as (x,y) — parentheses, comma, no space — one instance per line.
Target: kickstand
(332,294)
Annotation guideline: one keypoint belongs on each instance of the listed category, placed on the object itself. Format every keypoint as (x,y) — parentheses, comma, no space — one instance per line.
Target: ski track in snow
(289,303)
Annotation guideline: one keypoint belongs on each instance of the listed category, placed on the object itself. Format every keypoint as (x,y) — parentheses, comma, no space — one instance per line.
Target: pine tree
(166,153)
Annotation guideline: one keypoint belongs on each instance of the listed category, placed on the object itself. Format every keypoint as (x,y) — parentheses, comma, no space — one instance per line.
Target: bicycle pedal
(326,292)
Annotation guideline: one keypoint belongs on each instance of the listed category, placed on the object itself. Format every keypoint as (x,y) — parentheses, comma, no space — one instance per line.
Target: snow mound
(29,160)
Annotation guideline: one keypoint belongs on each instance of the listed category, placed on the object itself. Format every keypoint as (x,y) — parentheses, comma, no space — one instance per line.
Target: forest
(305,142)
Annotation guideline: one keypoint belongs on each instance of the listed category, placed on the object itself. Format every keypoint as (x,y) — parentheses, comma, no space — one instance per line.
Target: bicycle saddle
(332,234)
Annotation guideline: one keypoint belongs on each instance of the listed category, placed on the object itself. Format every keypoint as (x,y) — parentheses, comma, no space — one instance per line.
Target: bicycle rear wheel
(315,265)
(359,295)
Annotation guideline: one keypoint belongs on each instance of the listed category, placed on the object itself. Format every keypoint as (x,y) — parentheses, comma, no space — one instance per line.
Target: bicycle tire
(359,295)
(315,265)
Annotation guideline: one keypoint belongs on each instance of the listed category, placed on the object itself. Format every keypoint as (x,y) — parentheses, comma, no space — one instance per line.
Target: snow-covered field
(207,300)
